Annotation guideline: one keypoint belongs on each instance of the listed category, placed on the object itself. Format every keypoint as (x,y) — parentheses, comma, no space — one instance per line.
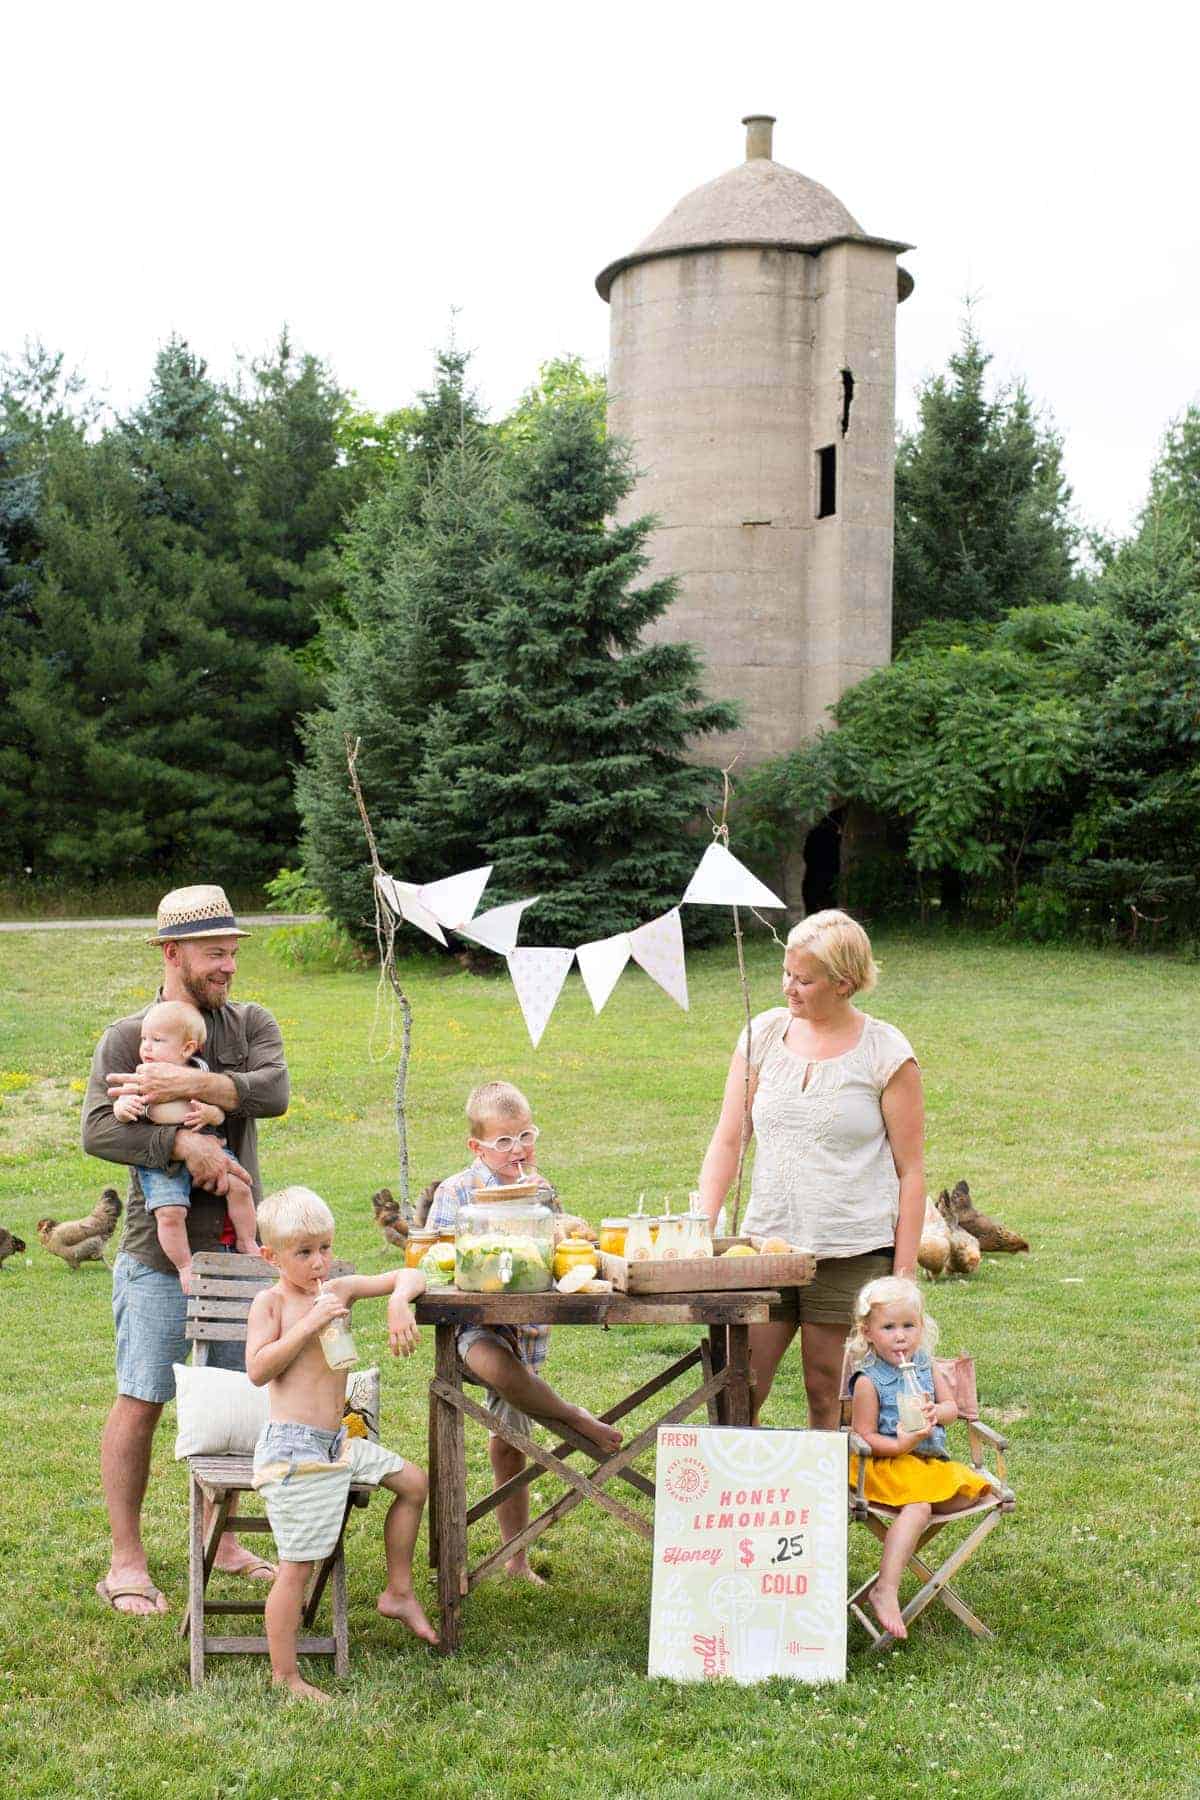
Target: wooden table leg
(431,1511)
(450,1461)
(738,1391)
(719,1356)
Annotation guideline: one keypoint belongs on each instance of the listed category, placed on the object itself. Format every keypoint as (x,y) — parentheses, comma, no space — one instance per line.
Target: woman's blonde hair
(840,945)
(887,1291)
(291,1213)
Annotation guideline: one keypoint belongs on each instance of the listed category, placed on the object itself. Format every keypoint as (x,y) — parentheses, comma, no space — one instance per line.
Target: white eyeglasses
(524,1140)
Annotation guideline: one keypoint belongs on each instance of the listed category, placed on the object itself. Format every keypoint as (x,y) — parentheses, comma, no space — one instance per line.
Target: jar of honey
(417,1243)
(612,1235)
(571,1253)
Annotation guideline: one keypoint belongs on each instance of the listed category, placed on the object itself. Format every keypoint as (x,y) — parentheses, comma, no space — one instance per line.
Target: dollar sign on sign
(747,1549)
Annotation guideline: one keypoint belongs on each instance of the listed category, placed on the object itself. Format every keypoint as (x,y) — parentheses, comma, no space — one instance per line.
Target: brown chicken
(957,1208)
(389,1219)
(9,1245)
(82,1240)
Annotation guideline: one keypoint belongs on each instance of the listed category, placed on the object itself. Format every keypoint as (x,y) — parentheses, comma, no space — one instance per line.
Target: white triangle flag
(600,964)
(497,930)
(453,900)
(410,908)
(387,889)
(721,880)
(538,976)
(658,948)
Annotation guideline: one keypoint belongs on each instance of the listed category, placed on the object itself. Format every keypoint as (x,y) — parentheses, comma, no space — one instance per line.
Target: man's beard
(196,987)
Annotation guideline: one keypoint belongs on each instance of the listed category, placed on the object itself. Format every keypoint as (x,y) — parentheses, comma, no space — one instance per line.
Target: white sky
(356,169)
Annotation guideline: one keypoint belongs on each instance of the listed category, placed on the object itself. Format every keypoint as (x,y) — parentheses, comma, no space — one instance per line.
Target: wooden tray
(702,1274)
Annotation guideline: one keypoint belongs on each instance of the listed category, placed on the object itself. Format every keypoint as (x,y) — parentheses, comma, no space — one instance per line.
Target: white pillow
(221,1412)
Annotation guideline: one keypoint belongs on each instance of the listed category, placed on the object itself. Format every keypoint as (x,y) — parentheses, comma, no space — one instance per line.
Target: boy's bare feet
(409,1611)
(885,1604)
(520,1570)
(301,1689)
(605,1437)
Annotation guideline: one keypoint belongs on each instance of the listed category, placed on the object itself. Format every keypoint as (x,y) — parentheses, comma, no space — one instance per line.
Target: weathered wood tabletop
(722,1357)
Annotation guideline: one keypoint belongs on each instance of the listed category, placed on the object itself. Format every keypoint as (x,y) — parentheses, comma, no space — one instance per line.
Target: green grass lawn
(1062,1084)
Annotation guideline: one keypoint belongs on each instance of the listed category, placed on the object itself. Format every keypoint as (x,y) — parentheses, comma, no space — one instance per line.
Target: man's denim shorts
(150,1310)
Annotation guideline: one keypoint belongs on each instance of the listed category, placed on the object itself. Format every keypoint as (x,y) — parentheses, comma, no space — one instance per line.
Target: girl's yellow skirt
(900,1480)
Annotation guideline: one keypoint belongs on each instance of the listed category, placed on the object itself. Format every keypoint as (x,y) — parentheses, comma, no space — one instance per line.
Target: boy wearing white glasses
(507,1359)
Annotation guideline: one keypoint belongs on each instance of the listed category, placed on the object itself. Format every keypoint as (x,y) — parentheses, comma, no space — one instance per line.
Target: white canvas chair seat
(982,1518)
(223,1288)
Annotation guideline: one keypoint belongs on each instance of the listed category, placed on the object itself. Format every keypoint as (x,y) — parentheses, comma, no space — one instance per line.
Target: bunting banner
(497,930)
(658,949)
(538,977)
(401,896)
(721,880)
(600,964)
(453,900)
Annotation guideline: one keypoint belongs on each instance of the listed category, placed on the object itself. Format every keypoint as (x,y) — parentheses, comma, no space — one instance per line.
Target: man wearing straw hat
(247,1079)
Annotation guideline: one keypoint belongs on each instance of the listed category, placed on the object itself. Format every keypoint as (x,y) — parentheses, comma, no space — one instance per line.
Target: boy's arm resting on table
(403,1285)
(261,1088)
(269,1351)
(864,1421)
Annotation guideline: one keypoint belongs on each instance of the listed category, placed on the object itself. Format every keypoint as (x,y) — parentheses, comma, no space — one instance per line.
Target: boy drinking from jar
(304,1463)
(507,1359)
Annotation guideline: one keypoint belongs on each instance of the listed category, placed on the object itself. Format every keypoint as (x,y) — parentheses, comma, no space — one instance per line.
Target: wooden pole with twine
(721,836)
(385,941)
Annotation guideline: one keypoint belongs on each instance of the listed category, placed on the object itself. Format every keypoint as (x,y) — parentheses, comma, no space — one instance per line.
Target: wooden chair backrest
(959,1372)
(223,1289)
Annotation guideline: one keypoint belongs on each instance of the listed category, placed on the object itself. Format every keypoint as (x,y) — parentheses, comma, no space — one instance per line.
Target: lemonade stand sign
(749,1555)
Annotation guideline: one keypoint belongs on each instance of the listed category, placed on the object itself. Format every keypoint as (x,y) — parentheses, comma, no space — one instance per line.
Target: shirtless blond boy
(304,1462)
(507,1359)
(174,1031)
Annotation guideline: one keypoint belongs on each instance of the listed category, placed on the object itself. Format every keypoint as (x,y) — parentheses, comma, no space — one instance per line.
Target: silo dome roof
(760,202)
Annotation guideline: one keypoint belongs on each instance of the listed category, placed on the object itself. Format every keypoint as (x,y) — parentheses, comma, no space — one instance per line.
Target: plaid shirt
(529,1342)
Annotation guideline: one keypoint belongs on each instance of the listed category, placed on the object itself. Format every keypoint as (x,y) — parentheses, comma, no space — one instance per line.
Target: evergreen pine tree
(982,505)
(563,759)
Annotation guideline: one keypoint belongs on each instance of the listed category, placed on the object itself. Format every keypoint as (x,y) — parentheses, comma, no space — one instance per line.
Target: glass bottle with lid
(504,1246)
(910,1399)
(418,1241)
(338,1343)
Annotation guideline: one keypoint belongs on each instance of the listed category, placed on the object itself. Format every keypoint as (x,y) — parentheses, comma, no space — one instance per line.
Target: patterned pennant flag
(538,977)
(721,880)
(497,930)
(658,948)
(600,964)
(453,900)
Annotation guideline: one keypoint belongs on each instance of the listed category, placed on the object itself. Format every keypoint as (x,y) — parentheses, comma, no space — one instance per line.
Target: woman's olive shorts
(829,1297)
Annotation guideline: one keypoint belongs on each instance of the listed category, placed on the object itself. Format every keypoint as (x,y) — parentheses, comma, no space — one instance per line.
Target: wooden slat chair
(223,1287)
(982,1518)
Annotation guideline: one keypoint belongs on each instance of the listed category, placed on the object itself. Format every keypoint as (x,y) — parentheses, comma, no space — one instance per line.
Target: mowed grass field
(1062,1084)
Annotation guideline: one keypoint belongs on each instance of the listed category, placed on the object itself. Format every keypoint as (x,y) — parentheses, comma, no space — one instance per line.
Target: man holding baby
(240,1073)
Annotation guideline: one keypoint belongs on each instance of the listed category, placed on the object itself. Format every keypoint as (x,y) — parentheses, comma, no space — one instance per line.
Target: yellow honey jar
(571,1253)
(416,1244)
(612,1235)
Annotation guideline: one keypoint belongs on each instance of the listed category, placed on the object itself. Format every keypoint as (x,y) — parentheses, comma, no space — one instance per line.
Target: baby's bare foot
(885,1603)
(605,1437)
(250,1248)
(301,1689)
(409,1611)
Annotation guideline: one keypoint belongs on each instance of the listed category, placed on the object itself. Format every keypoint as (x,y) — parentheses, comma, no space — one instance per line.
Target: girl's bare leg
(284,1604)
(898,1546)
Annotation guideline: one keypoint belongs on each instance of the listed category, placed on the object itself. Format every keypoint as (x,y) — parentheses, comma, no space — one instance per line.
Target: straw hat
(195,912)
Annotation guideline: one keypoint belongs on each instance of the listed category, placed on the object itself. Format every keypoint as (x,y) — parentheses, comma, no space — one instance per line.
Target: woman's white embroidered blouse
(824,1177)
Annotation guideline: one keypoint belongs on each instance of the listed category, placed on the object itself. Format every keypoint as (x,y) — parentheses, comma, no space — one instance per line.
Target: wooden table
(721,1356)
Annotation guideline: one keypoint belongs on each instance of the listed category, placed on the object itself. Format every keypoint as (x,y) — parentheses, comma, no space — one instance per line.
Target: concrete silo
(752,367)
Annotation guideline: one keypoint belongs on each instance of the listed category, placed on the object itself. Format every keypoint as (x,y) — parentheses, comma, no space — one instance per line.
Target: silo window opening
(847,399)
(827,481)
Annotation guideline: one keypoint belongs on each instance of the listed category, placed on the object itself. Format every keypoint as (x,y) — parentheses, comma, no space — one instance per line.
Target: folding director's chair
(982,1518)
(223,1287)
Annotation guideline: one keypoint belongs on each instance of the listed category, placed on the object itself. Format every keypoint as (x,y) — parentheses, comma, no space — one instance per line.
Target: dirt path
(247,919)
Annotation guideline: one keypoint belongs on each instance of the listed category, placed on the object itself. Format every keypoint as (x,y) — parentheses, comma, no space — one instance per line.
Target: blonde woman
(837,1110)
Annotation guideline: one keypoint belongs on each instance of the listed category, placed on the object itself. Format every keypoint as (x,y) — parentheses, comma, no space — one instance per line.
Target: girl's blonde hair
(887,1291)
(840,945)
(291,1213)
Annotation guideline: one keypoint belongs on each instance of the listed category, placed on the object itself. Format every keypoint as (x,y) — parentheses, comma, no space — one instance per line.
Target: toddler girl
(910,1470)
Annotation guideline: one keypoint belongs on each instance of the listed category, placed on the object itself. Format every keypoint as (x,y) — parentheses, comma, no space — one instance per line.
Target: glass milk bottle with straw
(338,1344)
(639,1245)
(910,1399)
(699,1231)
(672,1236)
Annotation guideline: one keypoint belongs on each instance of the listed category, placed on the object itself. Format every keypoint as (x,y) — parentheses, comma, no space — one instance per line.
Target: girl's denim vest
(887,1381)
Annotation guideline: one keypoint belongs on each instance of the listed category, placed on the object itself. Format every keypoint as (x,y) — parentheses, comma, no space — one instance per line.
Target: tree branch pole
(385,941)
(721,835)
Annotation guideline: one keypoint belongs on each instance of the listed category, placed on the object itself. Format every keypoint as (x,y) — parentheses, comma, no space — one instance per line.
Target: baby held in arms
(304,1462)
